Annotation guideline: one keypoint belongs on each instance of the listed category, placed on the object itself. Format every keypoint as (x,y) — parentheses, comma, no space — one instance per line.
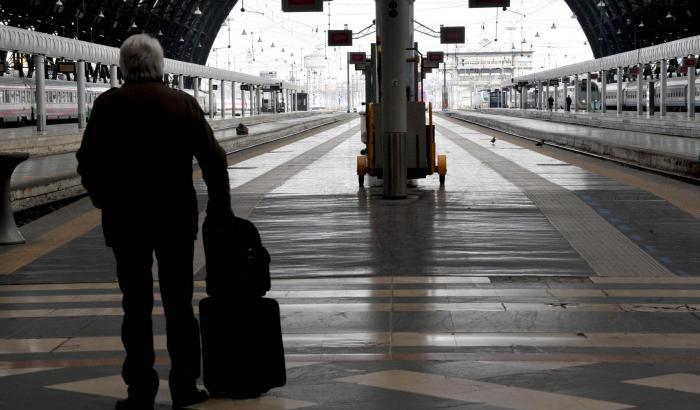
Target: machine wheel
(361,180)
(442,180)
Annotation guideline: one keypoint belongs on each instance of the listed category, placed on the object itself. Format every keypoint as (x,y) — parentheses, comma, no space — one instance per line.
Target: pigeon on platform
(493,140)
(539,144)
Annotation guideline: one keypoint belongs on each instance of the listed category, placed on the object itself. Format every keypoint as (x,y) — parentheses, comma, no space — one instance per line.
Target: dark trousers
(175,275)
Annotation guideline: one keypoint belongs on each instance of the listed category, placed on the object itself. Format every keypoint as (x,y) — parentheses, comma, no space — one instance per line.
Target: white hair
(141,58)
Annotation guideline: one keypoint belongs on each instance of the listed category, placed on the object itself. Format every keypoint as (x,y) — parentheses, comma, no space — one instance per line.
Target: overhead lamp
(283,49)
(199,45)
(573,16)
(585,43)
(523,42)
(59,3)
(601,3)
(537,34)
(133,25)
(292,55)
(669,15)
(272,45)
(244,33)
(182,40)
(641,24)
(160,33)
(629,21)
(619,31)
(259,40)
(224,24)
(101,15)
(197,11)
(554,26)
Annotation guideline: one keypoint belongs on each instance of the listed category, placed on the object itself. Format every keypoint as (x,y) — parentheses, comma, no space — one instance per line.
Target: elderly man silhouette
(135,161)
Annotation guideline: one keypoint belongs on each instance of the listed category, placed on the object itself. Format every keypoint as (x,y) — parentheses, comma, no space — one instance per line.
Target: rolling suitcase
(242,350)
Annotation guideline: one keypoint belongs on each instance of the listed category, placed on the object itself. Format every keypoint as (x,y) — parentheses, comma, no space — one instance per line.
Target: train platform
(47,178)
(535,279)
(679,156)
(673,123)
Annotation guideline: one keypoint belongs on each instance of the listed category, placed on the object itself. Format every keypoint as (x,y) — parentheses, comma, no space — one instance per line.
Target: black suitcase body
(242,350)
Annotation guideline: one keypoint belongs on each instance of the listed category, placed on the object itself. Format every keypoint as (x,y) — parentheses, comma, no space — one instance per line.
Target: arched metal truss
(184,34)
(613,26)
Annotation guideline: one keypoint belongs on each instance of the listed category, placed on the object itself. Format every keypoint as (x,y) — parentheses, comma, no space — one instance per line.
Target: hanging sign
(360,66)
(488,3)
(690,61)
(294,6)
(339,38)
(594,76)
(66,68)
(357,58)
(245,87)
(554,83)
(452,35)
(433,59)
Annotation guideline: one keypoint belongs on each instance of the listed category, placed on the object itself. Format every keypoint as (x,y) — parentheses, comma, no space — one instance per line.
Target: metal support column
(243,106)
(114,76)
(604,91)
(40,95)
(620,75)
(691,92)
(577,91)
(589,93)
(556,97)
(181,82)
(212,108)
(80,75)
(252,101)
(258,100)
(394,32)
(222,90)
(233,99)
(640,90)
(195,85)
(662,91)
(347,66)
(523,98)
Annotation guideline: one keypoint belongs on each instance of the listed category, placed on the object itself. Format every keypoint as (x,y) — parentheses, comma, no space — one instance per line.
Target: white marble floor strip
(396,339)
(473,391)
(114,387)
(688,383)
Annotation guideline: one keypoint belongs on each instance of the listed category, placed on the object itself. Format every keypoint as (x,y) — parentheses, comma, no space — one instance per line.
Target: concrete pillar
(603,91)
(394,32)
(233,99)
(40,95)
(620,101)
(589,94)
(80,75)
(196,89)
(212,109)
(556,97)
(258,100)
(523,98)
(347,66)
(181,82)
(691,92)
(223,99)
(114,76)
(640,89)
(663,84)
(577,90)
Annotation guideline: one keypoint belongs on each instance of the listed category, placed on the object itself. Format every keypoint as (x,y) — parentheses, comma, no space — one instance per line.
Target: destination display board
(452,35)
(690,61)
(488,3)
(297,6)
(245,87)
(433,59)
(357,58)
(554,83)
(340,38)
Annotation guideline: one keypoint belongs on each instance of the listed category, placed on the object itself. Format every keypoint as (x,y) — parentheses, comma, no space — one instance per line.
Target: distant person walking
(135,161)
(568,103)
(550,103)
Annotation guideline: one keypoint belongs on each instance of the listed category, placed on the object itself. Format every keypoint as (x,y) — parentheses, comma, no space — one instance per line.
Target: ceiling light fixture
(197,11)
(554,26)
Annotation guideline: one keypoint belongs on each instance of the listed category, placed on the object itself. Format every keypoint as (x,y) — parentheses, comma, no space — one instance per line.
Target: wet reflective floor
(525,283)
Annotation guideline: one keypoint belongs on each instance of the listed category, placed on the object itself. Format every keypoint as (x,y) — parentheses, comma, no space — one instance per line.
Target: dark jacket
(135,161)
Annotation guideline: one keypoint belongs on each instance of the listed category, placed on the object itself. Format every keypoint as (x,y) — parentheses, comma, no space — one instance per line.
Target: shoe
(132,403)
(197,396)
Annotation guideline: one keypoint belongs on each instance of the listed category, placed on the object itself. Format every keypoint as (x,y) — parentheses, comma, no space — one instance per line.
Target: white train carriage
(676,95)
(18,104)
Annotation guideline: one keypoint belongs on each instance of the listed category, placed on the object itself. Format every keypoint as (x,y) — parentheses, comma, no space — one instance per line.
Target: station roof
(185,34)
(616,26)
(611,26)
